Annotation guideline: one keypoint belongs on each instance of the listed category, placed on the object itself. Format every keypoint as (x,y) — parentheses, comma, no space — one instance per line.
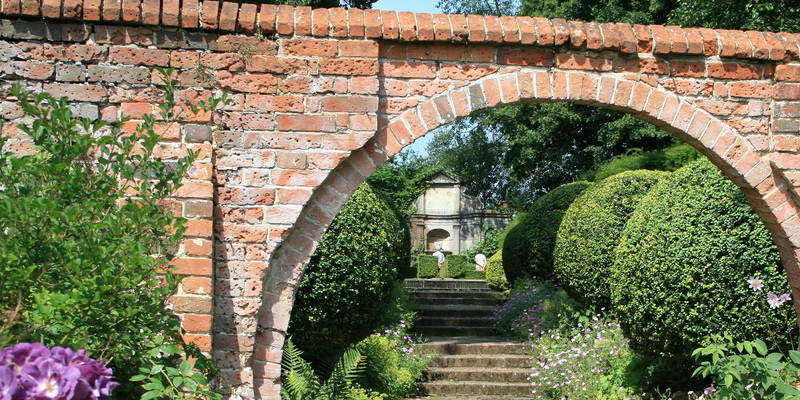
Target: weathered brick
(733,71)
(306,123)
(348,66)
(123,35)
(310,47)
(118,74)
(135,56)
(537,58)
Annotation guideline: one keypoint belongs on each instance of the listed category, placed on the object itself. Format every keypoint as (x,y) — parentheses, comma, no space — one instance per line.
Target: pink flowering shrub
(32,371)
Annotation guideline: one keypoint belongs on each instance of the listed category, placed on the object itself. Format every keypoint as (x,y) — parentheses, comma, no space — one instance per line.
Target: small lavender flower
(756,284)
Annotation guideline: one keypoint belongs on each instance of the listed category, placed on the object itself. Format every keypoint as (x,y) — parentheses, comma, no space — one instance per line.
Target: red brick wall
(322,97)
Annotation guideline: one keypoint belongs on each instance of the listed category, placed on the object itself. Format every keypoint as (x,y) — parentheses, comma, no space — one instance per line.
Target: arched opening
(728,150)
(437,239)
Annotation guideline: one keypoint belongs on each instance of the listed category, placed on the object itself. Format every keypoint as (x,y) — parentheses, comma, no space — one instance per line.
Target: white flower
(756,284)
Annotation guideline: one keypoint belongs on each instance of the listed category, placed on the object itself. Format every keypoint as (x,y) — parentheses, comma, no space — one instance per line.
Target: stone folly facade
(446,215)
(323,97)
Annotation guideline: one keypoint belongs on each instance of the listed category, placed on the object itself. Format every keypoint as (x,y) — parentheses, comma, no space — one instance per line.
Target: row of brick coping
(407,26)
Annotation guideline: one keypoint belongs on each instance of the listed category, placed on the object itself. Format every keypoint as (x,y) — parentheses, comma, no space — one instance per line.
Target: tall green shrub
(348,284)
(683,261)
(528,245)
(84,240)
(590,231)
(495,276)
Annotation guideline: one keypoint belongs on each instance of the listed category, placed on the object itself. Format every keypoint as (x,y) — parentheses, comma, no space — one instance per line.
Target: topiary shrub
(348,284)
(427,267)
(528,246)
(495,276)
(590,231)
(458,265)
(682,263)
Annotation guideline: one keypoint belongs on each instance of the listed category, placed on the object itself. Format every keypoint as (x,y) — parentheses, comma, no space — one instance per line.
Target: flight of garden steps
(455,319)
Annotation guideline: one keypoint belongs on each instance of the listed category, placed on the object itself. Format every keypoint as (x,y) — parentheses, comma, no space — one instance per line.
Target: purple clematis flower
(8,382)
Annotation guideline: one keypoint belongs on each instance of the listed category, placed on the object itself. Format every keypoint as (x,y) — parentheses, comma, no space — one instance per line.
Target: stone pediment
(443,178)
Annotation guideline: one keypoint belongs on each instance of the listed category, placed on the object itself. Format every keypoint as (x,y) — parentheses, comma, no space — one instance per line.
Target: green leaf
(185,367)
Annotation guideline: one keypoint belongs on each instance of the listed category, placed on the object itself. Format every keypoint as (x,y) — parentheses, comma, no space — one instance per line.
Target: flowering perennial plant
(532,307)
(32,371)
(580,364)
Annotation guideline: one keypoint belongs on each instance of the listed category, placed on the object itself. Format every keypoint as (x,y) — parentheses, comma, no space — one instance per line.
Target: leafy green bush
(84,242)
(682,262)
(495,277)
(458,266)
(590,231)
(668,159)
(514,222)
(427,267)
(301,382)
(349,281)
(395,362)
(475,275)
(744,370)
(489,244)
(528,246)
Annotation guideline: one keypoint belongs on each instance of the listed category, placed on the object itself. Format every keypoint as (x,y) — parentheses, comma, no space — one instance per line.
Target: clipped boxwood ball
(590,231)
(347,288)
(529,244)
(682,264)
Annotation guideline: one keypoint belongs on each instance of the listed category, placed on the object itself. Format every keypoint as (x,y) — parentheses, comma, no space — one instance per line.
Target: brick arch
(723,146)
(324,96)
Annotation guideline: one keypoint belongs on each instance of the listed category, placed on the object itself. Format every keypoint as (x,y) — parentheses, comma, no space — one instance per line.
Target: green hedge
(427,267)
(529,244)
(590,231)
(348,284)
(458,266)
(495,276)
(683,261)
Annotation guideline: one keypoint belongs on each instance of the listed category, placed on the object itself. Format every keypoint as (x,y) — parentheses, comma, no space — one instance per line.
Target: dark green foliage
(427,267)
(528,246)
(458,266)
(520,152)
(489,244)
(682,262)
(495,277)
(762,15)
(514,222)
(347,287)
(301,382)
(84,241)
(403,179)
(590,231)
(476,275)
(630,11)
(667,159)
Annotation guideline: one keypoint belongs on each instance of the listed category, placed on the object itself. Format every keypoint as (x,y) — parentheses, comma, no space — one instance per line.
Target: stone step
(458,300)
(450,294)
(446,284)
(442,388)
(453,330)
(474,346)
(454,307)
(481,361)
(434,321)
(462,374)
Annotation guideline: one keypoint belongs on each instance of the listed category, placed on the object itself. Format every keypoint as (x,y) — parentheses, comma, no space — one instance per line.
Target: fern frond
(349,368)
(299,381)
